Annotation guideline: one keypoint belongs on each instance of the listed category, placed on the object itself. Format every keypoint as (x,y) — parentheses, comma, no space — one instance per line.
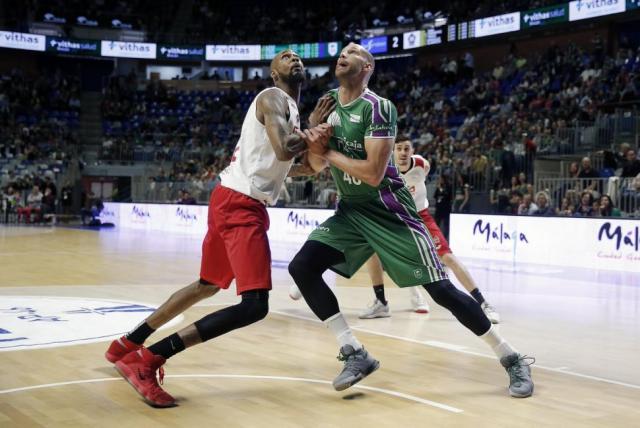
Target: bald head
(355,61)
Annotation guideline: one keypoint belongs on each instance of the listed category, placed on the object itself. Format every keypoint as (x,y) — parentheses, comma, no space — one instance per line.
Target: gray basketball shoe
(357,365)
(517,366)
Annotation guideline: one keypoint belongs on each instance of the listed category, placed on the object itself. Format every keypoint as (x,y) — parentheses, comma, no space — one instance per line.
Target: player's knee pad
(462,306)
(443,293)
(313,259)
(296,268)
(253,307)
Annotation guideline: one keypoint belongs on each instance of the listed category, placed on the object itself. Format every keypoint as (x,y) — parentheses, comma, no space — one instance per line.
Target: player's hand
(294,143)
(325,105)
(317,138)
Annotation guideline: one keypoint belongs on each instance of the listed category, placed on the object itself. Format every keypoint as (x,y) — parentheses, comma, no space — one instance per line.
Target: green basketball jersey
(367,117)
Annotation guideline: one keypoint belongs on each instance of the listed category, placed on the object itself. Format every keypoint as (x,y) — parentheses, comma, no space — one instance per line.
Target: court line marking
(86,340)
(435,344)
(458,348)
(396,394)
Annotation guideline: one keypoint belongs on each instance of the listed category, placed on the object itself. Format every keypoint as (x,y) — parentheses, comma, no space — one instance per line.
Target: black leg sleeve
(253,307)
(462,306)
(307,267)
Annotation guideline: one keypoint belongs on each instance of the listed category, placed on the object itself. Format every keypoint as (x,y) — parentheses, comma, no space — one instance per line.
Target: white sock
(338,325)
(500,346)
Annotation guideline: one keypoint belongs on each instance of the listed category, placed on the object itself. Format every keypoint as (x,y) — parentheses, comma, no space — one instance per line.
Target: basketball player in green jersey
(376,213)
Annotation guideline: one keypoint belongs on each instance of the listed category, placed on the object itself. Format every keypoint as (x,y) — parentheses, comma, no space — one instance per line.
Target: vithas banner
(545,16)
(24,41)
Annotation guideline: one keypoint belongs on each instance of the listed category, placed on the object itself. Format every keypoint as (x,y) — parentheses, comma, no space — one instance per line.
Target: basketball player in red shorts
(236,244)
(414,169)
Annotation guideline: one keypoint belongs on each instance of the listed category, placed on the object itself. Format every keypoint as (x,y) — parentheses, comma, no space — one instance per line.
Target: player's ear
(274,75)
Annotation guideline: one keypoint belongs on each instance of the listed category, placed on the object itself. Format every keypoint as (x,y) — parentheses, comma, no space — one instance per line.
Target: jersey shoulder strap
(419,161)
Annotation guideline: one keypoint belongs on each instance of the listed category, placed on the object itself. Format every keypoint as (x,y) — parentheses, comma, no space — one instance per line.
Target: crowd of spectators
(161,123)
(38,119)
(479,129)
(33,199)
(38,115)
(583,193)
(503,118)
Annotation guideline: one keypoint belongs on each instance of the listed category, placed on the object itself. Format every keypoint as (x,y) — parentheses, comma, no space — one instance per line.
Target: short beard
(294,78)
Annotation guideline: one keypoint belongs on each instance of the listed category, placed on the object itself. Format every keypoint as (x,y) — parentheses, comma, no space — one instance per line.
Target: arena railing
(624,192)
(308,193)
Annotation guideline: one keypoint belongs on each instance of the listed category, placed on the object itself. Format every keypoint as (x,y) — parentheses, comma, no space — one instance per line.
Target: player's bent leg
(470,314)
(462,306)
(139,367)
(467,281)
(179,301)
(253,307)
(306,268)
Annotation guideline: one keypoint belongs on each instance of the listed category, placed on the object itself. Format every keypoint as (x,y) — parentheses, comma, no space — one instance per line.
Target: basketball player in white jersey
(236,244)
(414,170)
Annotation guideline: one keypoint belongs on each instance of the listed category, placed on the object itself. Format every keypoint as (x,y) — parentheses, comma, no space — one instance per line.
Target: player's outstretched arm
(272,111)
(370,170)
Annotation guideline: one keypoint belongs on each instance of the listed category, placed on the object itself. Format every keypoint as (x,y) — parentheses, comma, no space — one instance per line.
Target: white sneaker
(418,302)
(375,310)
(491,313)
(294,292)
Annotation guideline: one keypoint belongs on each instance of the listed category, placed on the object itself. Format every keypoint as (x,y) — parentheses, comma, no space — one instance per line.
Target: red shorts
(442,246)
(236,245)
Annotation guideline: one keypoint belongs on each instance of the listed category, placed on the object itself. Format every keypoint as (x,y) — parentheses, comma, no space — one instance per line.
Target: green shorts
(389,226)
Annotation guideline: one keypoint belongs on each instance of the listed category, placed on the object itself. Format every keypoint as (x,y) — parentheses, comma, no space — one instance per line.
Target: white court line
(460,349)
(434,344)
(232,376)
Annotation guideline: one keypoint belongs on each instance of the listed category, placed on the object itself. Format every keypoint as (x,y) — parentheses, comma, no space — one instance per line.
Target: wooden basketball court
(584,334)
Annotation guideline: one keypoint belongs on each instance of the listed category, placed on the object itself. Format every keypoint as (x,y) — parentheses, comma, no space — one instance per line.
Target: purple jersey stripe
(393,175)
(376,118)
(396,207)
(382,133)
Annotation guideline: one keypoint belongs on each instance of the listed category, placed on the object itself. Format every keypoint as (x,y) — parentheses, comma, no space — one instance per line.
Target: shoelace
(349,361)
(161,375)
(515,370)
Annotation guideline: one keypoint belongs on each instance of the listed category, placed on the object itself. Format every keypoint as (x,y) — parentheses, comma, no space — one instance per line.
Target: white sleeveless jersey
(415,178)
(254,169)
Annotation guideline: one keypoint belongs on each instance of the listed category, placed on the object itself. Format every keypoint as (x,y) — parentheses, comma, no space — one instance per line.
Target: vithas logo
(25,41)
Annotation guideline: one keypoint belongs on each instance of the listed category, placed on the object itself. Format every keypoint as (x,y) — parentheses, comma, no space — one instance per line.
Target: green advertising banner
(73,46)
(545,16)
(181,52)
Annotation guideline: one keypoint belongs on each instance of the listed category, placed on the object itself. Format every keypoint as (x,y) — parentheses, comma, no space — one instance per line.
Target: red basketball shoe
(139,369)
(119,348)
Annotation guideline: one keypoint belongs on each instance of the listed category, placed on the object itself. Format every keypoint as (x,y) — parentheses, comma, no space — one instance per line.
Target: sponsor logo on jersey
(334,119)
(355,118)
